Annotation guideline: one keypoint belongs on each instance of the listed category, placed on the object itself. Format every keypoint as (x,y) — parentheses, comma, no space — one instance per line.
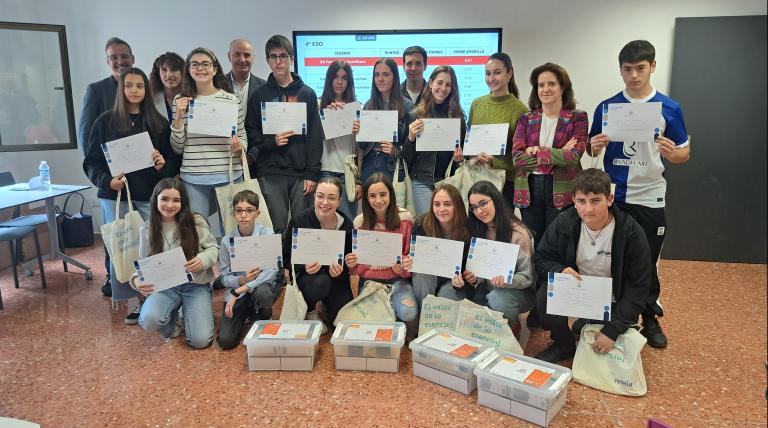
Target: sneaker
(312,315)
(133,316)
(556,352)
(106,289)
(652,331)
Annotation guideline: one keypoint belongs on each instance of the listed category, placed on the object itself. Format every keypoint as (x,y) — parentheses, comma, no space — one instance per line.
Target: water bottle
(45,175)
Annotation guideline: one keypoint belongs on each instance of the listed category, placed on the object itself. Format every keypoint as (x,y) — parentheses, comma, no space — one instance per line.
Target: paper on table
(212,117)
(129,154)
(439,135)
(281,117)
(317,245)
(163,270)
(247,252)
(377,126)
(368,332)
(488,259)
(522,371)
(490,139)
(337,123)
(453,345)
(589,298)
(285,331)
(436,256)
(632,122)
(377,248)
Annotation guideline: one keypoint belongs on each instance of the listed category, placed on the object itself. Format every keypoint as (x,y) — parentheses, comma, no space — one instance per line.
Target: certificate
(488,259)
(589,298)
(377,126)
(281,117)
(632,122)
(436,256)
(439,135)
(285,330)
(213,117)
(317,245)
(337,123)
(163,270)
(377,248)
(490,139)
(248,252)
(129,154)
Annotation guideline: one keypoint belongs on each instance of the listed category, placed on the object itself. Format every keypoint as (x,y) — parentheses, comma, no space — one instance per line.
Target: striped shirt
(205,155)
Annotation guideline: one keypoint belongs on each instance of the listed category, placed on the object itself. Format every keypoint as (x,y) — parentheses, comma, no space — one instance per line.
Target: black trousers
(333,292)
(541,212)
(654,223)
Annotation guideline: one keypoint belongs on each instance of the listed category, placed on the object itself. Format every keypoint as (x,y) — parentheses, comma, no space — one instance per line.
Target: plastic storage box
(369,346)
(523,387)
(446,358)
(282,345)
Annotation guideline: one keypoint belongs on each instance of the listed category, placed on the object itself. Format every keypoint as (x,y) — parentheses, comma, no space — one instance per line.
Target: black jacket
(142,182)
(254,84)
(299,158)
(99,97)
(630,263)
(308,219)
(430,167)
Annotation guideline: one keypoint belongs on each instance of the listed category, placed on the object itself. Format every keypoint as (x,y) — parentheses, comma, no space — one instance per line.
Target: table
(19,194)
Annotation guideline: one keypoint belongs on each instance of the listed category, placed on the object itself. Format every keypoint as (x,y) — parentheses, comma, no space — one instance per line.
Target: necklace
(133,121)
(591,239)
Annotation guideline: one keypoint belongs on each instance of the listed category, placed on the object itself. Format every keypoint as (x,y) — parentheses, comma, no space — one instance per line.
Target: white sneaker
(133,316)
(312,315)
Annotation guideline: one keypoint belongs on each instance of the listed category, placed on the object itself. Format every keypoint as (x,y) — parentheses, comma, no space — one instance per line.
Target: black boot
(557,352)
(652,331)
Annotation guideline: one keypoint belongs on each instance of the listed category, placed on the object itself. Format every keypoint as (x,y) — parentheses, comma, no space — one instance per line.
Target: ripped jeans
(403,300)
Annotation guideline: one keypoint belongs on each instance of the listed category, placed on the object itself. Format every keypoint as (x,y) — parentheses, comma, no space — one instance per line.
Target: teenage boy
(595,238)
(287,164)
(414,64)
(637,167)
(249,295)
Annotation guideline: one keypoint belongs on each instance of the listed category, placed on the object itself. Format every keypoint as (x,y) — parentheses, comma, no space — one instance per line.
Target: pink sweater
(386,272)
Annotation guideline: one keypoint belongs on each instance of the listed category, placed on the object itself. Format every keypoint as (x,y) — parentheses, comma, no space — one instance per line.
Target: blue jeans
(348,208)
(403,300)
(202,199)
(424,285)
(510,301)
(376,161)
(121,290)
(422,195)
(160,310)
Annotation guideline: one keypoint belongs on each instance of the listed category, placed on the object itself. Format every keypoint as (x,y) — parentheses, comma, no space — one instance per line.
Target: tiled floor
(67,360)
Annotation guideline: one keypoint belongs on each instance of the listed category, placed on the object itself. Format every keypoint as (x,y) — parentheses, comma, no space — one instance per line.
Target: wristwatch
(233,292)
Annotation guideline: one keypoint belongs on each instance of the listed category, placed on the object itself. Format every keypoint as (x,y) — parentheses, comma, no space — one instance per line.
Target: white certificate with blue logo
(282,117)
(338,122)
(490,139)
(248,252)
(213,117)
(488,259)
(317,246)
(377,248)
(128,154)
(163,270)
(377,126)
(588,298)
(439,135)
(632,122)
(436,256)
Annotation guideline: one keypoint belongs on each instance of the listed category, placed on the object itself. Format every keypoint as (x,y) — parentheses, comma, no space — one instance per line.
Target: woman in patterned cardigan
(547,148)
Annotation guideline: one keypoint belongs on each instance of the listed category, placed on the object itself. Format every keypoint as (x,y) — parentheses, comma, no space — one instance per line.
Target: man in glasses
(287,164)
(100,97)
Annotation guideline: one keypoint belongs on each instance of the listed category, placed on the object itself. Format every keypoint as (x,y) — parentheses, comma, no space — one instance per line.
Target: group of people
(571,221)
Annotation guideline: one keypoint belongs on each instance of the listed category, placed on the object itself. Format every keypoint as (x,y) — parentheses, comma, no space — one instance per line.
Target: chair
(10,234)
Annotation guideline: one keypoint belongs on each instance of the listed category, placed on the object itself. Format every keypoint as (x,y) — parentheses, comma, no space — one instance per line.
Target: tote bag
(76,228)
(373,304)
(121,237)
(294,305)
(620,371)
(224,195)
(403,189)
(469,173)
(351,176)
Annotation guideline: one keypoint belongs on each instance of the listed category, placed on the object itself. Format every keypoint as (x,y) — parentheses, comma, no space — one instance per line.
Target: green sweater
(489,109)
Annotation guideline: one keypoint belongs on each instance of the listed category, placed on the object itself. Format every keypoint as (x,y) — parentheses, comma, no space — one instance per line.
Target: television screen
(466,50)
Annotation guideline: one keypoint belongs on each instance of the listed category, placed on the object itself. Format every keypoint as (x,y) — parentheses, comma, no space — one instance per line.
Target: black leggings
(333,292)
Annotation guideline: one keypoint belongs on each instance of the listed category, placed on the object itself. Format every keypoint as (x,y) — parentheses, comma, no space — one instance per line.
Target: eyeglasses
(194,65)
(482,205)
(330,198)
(249,211)
(281,57)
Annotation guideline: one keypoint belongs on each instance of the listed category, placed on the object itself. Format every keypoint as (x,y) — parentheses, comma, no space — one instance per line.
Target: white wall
(584,36)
